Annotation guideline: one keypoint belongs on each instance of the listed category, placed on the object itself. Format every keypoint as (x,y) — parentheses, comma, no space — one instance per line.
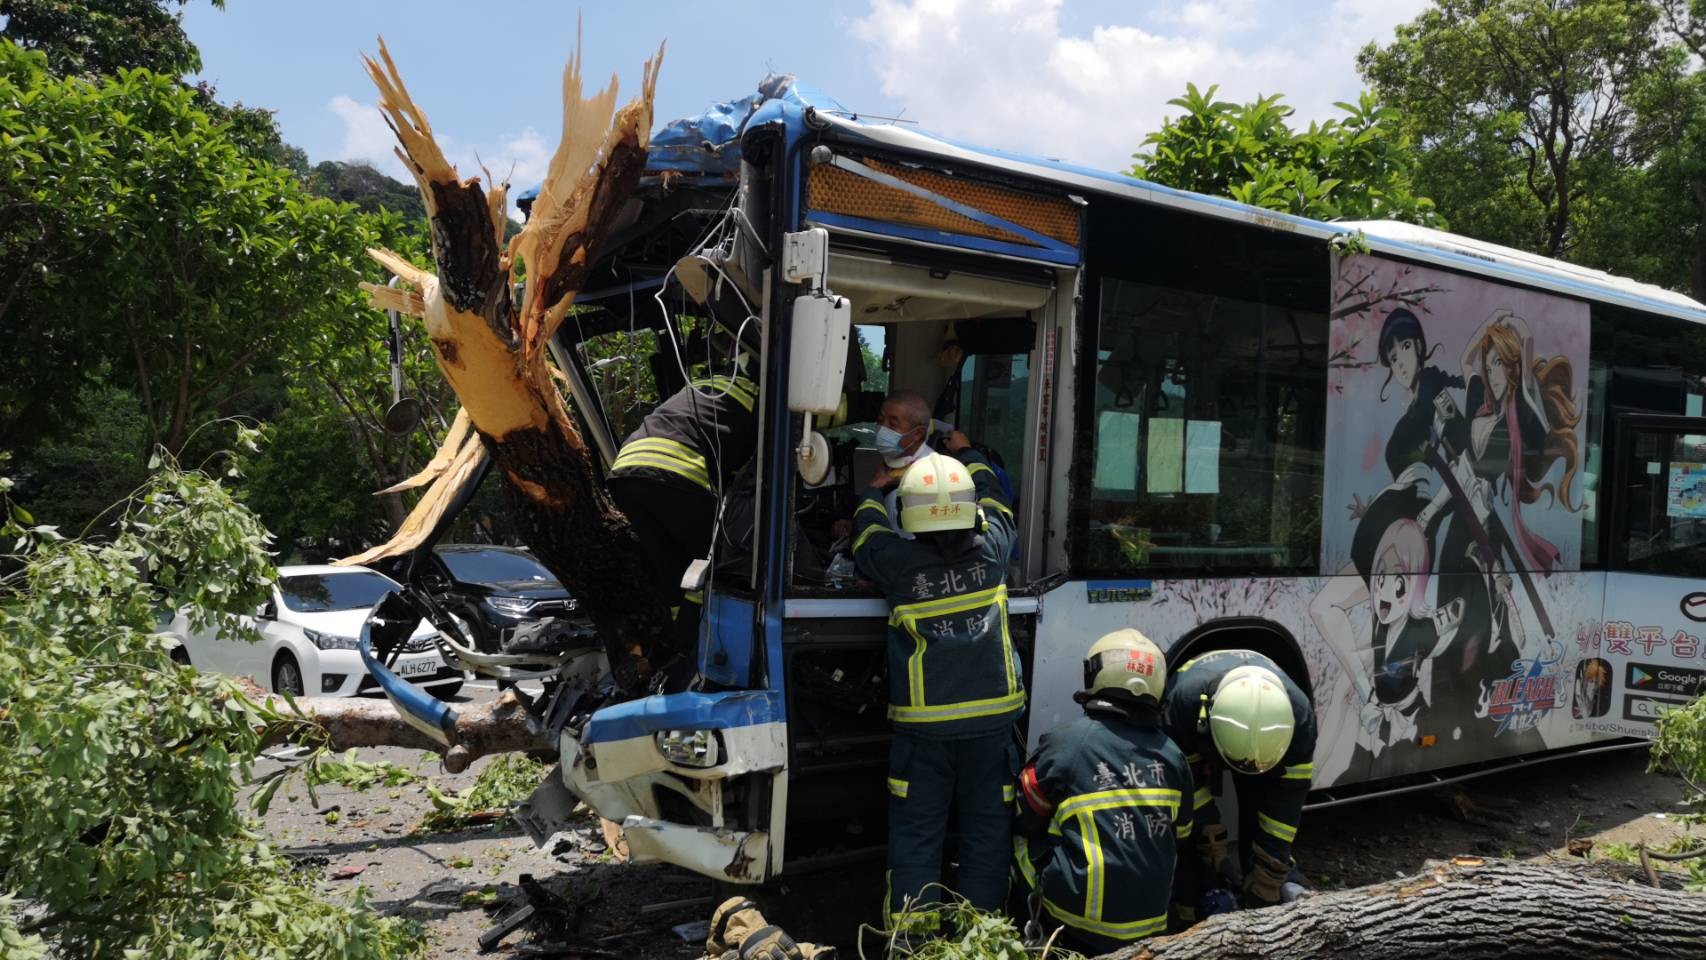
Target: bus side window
(1664,496)
(1209,424)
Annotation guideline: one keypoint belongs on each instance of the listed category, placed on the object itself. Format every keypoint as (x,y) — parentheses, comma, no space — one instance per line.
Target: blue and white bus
(1453,489)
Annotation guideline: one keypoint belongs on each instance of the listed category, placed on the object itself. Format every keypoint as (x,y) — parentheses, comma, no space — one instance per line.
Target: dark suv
(496,589)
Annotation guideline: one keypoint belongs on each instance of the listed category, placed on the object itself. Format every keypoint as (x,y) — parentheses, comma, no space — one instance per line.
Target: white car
(309,632)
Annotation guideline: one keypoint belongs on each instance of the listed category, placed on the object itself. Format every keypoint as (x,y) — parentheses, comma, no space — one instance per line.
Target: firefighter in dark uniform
(669,476)
(1104,805)
(955,687)
(1236,710)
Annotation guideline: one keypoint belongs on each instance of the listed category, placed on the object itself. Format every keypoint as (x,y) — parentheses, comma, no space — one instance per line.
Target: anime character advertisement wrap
(1452,519)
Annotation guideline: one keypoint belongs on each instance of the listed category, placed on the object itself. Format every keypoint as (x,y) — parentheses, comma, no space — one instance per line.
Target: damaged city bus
(1458,492)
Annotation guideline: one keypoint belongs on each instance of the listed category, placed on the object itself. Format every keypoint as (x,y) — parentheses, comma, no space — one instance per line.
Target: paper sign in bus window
(1686,490)
(1166,461)
(1202,456)
(1116,451)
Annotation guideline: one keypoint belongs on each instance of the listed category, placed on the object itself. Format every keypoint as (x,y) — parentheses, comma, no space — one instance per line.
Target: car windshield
(320,592)
(494,566)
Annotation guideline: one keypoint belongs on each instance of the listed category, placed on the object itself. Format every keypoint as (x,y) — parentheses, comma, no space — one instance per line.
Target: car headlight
(331,641)
(512,605)
(690,748)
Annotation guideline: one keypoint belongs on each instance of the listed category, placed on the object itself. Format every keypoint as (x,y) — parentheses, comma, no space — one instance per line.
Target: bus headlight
(690,748)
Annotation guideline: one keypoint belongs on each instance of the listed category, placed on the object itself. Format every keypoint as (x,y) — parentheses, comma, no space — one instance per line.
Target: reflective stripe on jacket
(1103,810)
(1279,793)
(702,434)
(953,671)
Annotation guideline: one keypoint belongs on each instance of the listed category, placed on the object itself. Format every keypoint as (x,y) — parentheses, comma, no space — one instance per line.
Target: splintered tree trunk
(492,349)
(1466,909)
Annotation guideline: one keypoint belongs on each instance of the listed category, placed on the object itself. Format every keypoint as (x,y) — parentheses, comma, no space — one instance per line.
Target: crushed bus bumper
(666,767)
(737,856)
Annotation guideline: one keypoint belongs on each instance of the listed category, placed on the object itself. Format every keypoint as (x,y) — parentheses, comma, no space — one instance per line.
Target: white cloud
(1005,73)
(521,157)
(366,137)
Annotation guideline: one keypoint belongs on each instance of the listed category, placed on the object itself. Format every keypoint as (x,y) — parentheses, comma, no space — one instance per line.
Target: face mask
(888,443)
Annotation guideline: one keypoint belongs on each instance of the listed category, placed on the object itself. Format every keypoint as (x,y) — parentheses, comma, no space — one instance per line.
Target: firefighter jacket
(1103,809)
(952,669)
(700,436)
(1278,793)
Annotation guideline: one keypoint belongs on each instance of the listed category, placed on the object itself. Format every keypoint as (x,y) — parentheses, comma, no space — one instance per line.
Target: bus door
(1649,655)
(965,335)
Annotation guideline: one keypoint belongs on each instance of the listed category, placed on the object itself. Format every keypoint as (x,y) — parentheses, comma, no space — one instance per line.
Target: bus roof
(1383,236)
(681,146)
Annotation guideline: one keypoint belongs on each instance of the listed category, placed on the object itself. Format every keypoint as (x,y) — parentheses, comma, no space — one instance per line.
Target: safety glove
(1268,876)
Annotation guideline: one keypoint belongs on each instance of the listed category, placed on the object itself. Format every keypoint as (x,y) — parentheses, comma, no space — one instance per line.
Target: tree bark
(493,351)
(498,726)
(1465,909)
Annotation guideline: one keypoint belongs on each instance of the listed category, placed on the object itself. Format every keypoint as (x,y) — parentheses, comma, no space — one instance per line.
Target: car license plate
(423,667)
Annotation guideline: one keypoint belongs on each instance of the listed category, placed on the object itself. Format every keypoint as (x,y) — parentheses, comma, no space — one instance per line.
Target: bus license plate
(416,668)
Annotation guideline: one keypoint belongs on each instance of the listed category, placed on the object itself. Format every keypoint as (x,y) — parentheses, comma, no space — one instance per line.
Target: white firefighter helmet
(1127,661)
(1250,719)
(937,494)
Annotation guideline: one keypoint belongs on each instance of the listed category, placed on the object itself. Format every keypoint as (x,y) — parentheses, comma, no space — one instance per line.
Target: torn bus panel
(732,855)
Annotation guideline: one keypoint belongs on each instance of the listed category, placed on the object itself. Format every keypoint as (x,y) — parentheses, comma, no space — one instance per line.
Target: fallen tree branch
(1467,909)
(499,726)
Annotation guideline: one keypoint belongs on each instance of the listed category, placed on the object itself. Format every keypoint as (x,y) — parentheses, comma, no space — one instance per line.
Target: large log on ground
(501,725)
(492,347)
(1464,909)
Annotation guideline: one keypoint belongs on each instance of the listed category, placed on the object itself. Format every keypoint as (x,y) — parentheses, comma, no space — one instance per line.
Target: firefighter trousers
(927,777)
(673,524)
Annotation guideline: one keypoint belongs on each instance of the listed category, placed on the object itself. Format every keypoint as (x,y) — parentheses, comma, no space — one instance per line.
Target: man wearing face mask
(903,426)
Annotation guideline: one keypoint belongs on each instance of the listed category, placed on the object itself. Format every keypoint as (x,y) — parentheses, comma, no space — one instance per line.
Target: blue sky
(1083,80)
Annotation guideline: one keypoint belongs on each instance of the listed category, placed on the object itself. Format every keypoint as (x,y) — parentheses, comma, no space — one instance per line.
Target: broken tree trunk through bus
(1467,909)
(493,349)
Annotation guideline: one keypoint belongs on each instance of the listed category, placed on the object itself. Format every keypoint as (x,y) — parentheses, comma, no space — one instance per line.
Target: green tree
(92,37)
(119,819)
(1357,167)
(148,245)
(333,411)
(1681,165)
(73,476)
(876,378)
(1535,118)
(368,189)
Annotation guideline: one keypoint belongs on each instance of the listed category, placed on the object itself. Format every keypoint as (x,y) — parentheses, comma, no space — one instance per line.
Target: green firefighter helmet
(1251,719)
(937,494)
(1125,661)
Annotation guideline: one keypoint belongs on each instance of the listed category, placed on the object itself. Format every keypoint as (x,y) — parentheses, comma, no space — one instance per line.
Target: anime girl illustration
(1522,420)
(1457,449)
(1391,554)
(1392,677)
(1404,352)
